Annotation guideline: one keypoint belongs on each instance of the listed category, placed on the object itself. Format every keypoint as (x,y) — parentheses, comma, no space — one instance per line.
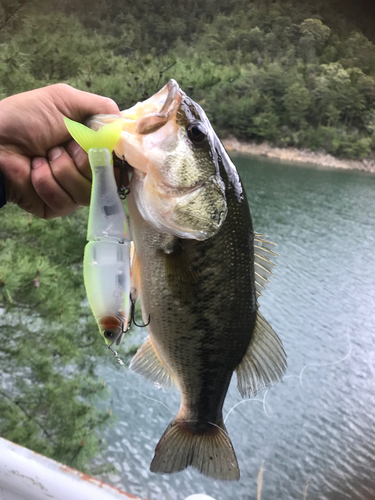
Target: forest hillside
(293,73)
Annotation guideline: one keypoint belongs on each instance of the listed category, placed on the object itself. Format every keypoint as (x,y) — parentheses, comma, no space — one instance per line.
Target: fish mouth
(150,115)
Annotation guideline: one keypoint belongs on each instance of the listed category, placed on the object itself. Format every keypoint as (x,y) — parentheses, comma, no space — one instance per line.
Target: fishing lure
(106,262)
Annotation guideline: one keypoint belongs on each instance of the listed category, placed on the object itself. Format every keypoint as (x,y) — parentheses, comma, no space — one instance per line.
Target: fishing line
(156,401)
(120,361)
(323,365)
(210,423)
(269,413)
(263,401)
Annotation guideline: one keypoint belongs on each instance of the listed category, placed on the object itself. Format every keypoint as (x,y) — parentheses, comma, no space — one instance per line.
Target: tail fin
(202,445)
(107,137)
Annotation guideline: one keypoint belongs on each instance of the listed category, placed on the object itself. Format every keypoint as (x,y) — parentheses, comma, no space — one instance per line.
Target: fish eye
(197,133)
(108,334)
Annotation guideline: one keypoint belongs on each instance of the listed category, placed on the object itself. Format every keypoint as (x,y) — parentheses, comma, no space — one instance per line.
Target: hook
(122,190)
(132,315)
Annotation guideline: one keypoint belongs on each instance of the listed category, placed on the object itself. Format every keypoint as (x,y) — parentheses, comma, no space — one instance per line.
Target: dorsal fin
(262,262)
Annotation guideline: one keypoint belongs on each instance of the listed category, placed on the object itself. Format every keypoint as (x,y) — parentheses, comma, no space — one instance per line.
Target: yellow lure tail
(107,137)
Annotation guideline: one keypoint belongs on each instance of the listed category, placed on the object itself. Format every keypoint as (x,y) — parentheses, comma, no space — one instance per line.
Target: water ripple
(315,431)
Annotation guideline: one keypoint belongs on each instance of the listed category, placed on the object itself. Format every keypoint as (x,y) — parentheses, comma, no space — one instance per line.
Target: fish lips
(150,115)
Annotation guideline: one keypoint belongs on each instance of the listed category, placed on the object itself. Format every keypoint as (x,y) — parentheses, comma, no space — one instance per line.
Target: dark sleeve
(3,198)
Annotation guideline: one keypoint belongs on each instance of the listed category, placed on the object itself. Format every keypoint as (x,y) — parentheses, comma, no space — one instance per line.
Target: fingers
(18,185)
(58,186)
(57,200)
(67,172)
(80,158)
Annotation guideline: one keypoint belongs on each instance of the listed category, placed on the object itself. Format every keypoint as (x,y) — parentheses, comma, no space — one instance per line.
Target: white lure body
(107,253)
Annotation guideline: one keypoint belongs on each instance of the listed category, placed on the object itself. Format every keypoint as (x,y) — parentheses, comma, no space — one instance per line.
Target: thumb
(79,105)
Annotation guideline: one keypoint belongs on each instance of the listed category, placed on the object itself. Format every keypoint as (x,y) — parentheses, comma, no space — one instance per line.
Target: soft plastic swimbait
(107,253)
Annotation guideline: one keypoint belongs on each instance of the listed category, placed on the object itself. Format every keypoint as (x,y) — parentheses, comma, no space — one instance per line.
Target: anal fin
(147,363)
(264,362)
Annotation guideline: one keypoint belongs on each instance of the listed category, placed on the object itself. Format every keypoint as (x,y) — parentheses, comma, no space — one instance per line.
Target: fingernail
(54,153)
(37,162)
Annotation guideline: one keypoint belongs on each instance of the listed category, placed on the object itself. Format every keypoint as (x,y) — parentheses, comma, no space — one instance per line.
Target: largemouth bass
(199,268)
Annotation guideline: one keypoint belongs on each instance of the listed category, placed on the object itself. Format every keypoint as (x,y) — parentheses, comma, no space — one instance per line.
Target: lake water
(314,432)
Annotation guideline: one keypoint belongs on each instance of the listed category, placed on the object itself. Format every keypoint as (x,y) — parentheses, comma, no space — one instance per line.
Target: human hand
(41,176)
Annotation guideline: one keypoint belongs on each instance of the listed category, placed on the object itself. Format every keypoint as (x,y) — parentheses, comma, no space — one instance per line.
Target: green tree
(49,343)
(316,32)
(297,101)
(359,52)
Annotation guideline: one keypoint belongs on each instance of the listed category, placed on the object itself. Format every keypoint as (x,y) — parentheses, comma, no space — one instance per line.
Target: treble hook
(132,315)
(122,190)
(121,336)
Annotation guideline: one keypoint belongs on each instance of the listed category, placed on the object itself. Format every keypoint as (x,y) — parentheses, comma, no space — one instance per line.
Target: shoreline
(295,155)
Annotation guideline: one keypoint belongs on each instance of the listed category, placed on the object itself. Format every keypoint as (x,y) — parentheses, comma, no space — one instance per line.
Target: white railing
(26,475)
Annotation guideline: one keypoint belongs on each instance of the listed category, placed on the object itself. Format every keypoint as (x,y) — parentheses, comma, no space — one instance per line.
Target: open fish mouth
(150,115)
(175,190)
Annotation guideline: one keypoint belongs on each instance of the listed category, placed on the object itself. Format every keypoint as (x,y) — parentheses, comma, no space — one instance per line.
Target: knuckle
(61,87)
(62,164)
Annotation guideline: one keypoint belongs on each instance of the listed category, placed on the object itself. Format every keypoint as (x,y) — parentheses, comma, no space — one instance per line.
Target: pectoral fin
(264,362)
(147,363)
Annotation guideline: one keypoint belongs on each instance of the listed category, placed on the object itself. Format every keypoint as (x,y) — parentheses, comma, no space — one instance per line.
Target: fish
(199,269)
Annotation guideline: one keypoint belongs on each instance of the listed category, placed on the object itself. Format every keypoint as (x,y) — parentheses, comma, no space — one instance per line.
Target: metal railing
(26,475)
